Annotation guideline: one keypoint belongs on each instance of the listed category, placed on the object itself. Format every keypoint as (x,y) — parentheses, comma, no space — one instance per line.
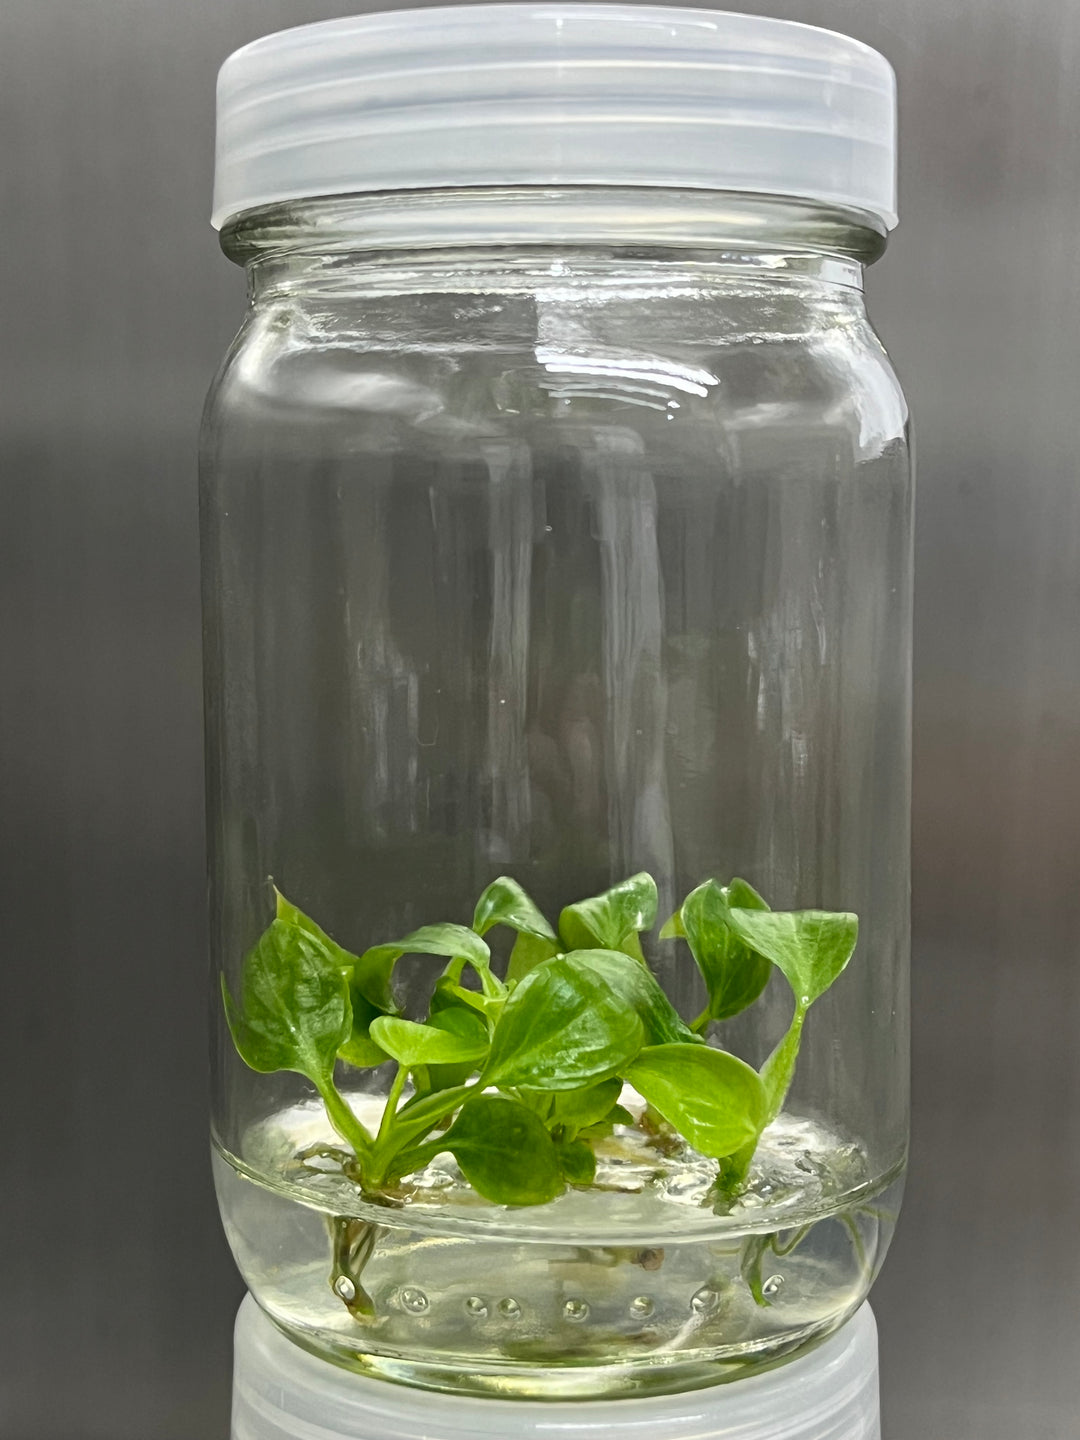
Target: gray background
(115,305)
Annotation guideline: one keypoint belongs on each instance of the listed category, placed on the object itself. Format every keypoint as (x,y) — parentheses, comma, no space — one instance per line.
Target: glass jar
(556,529)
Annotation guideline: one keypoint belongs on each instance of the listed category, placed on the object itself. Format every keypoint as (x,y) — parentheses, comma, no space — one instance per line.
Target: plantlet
(519,1079)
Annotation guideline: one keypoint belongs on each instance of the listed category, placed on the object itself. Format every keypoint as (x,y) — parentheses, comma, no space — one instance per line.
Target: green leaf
(576,1110)
(293,915)
(504,1152)
(411,1044)
(469,1026)
(295,1005)
(742,894)
(611,921)
(810,947)
(734,974)
(714,1100)
(358,1049)
(450,994)
(449,1013)
(603,1128)
(564,1027)
(528,952)
(638,987)
(504,902)
(578,1019)
(576,1161)
(673,929)
(619,1116)
(372,971)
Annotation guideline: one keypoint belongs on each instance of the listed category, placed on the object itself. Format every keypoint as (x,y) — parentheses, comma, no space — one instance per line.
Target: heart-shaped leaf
(293,915)
(638,987)
(372,970)
(358,1049)
(578,1019)
(810,947)
(528,952)
(613,920)
(450,1014)
(461,1020)
(734,974)
(504,902)
(504,1152)
(741,894)
(411,1044)
(714,1100)
(576,1161)
(294,1011)
(672,928)
(576,1110)
(564,1027)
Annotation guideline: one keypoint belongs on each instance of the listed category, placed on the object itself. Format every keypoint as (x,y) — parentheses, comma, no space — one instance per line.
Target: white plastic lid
(280,1392)
(556,94)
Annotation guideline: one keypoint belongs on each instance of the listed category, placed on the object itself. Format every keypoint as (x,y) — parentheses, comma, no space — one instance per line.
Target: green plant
(519,1078)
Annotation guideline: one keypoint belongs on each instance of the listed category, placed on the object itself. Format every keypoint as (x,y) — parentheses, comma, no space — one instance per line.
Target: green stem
(700,1025)
(416,1157)
(431,1108)
(410,1123)
(779,1068)
(344,1121)
(776,1074)
(392,1099)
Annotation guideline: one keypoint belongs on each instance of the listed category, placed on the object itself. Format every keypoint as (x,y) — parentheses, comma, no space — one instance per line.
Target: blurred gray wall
(115,305)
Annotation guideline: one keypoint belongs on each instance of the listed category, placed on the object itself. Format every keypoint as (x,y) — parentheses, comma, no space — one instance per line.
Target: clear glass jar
(561,535)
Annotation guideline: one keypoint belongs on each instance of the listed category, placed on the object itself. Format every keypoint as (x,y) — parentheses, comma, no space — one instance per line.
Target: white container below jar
(280,1392)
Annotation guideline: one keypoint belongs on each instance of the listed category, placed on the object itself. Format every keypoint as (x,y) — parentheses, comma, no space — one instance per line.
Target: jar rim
(636,220)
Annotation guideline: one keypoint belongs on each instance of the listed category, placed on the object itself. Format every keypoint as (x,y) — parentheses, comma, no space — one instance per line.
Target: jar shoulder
(475,369)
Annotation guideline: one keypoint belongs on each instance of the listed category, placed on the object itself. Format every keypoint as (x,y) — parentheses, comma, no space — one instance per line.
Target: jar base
(284,1391)
(568,1378)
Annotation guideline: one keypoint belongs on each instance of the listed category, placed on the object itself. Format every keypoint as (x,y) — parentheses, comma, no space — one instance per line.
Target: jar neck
(534,231)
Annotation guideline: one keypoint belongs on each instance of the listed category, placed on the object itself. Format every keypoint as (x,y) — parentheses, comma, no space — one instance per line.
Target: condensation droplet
(509,1308)
(415,1301)
(641,1307)
(344,1289)
(772,1285)
(576,1310)
(704,1301)
(476,1307)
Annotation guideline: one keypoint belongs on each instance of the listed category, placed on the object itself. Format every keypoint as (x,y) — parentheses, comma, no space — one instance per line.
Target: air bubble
(476,1307)
(509,1308)
(344,1289)
(576,1310)
(772,1285)
(414,1301)
(641,1307)
(704,1301)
